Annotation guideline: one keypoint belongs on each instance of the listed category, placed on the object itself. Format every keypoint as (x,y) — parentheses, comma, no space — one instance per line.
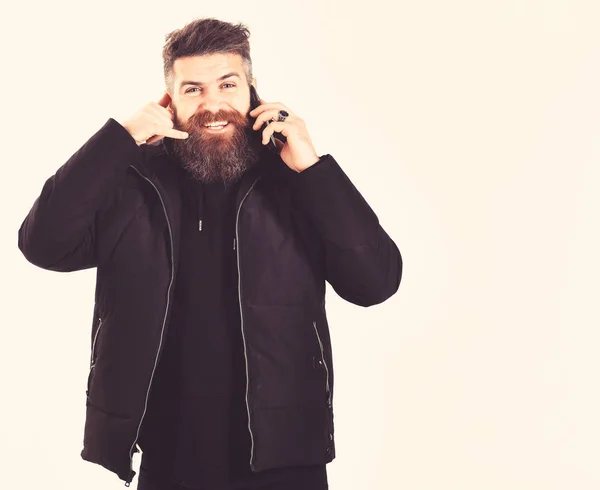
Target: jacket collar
(270,166)
(159,165)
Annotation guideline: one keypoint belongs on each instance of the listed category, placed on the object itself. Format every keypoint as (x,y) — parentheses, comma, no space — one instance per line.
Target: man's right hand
(153,122)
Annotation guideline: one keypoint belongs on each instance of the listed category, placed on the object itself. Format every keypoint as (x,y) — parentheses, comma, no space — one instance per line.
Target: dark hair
(206,36)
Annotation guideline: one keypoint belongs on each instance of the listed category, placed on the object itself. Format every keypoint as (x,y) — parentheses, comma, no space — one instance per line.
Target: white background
(471,128)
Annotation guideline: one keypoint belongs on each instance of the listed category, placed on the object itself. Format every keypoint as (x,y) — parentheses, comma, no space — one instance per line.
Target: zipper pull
(200,225)
(132,473)
(234,243)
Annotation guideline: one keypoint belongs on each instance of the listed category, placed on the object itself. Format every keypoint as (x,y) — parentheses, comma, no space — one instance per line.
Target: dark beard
(218,157)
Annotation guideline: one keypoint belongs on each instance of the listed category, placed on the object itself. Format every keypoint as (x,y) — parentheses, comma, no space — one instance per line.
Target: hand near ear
(153,122)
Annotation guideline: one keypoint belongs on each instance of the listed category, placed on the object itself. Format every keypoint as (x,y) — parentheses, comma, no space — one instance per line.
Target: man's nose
(212,103)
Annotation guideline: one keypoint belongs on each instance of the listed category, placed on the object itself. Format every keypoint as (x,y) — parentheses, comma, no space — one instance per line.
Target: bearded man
(210,345)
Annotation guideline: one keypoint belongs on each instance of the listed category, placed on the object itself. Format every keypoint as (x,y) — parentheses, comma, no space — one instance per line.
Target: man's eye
(196,88)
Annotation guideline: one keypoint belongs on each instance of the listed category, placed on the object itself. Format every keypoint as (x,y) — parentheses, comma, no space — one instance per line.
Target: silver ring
(282,115)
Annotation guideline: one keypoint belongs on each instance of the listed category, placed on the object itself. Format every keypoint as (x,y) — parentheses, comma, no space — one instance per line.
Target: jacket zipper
(131,472)
(93,362)
(325,364)
(93,355)
(237,247)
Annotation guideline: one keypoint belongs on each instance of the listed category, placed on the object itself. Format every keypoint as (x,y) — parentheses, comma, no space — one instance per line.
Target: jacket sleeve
(362,263)
(59,232)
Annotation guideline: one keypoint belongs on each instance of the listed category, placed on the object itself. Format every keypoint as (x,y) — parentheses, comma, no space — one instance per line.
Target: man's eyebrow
(192,82)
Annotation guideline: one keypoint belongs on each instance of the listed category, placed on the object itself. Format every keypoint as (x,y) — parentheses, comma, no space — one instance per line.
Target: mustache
(199,119)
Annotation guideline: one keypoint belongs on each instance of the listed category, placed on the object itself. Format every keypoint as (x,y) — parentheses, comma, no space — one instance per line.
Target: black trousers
(293,478)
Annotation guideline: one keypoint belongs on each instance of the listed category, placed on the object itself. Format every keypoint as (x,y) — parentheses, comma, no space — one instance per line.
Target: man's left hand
(298,152)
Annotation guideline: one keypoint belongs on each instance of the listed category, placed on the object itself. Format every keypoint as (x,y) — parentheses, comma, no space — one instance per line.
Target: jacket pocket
(322,362)
(93,356)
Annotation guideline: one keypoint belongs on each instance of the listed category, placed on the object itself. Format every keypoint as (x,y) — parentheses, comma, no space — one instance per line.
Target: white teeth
(216,125)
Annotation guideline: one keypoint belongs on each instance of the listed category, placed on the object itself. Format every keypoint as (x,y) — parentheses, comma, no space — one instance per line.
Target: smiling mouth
(216,127)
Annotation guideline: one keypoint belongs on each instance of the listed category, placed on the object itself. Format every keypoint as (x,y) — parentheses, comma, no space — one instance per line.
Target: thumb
(165,100)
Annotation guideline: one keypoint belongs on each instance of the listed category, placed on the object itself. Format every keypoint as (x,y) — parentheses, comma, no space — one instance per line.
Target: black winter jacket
(115,206)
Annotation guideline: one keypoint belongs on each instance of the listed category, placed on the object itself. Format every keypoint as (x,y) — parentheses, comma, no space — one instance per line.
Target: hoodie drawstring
(200,200)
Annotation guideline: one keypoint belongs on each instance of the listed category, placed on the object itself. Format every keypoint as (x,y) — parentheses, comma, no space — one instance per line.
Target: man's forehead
(206,69)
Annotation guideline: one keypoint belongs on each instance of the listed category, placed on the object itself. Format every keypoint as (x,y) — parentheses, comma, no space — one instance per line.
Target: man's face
(213,89)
